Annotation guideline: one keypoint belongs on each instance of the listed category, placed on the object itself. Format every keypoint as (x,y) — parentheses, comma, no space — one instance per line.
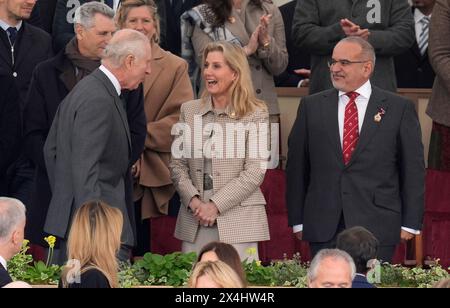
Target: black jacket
(4,277)
(10,133)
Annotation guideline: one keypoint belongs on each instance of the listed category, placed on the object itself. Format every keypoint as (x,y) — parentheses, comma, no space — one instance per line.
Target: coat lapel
(5,53)
(117,102)
(330,121)
(370,126)
(26,45)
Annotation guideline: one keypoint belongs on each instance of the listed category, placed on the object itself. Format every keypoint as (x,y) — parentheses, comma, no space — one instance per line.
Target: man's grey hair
(367,51)
(124,43)
(330,253)
(84,15)
(12,213)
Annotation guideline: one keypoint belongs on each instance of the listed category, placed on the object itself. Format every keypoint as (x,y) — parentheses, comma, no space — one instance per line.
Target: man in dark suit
(88,148)
(298,59)
(52,81)
(22,47)
(10,134)
(12,224)
(413,69)
(386,24)
(338,178)
(173,11)
(362,246)
(42,15)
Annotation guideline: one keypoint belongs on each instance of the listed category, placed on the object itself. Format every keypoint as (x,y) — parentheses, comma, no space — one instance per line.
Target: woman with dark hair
(255,25)
(224,252)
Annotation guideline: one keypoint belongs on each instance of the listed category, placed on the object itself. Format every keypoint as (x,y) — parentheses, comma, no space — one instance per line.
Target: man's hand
(406,236)
(136,169)
(299,235)
(352,29)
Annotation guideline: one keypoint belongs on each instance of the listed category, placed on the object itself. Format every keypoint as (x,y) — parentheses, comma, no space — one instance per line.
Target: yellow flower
(258,263)
(251,251)
(51,240)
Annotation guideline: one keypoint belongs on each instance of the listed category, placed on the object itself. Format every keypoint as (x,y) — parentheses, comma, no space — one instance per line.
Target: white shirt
(418,16)
(111,77)
(362,101)
(3,262)
(5,25)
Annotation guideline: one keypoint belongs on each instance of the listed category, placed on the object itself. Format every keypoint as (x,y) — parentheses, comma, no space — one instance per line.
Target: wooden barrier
(289,100)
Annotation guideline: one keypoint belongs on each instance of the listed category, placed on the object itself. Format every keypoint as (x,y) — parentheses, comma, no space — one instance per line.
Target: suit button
(15,74)
(258,67)
(420,70)
(258,91)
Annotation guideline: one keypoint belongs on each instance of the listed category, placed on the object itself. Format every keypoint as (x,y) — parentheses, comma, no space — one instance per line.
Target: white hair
(84,15)
(125,42)
(12,213)
(330,253)
(367,49)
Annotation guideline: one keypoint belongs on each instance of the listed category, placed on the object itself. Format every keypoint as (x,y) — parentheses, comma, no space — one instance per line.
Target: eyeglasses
(344,62)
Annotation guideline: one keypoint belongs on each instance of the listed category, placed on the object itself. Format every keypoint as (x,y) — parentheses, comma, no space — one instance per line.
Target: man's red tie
(351,129)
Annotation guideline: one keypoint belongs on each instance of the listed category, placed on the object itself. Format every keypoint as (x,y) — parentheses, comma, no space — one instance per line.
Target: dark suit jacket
(4,277)
(10,134)
(360,282)
(87,153)
(172,40)
(316,30)
(414,70)
(42,15)
(381,188)
(33,46)
(298,58)
(47,91)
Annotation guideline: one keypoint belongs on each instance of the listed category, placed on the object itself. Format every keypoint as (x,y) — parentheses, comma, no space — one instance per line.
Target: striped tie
(351,127)
(423,37)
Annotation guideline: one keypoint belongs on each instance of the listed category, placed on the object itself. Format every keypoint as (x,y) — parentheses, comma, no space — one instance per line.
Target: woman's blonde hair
(127,5)
(94,240)
(243,98)
(219,272)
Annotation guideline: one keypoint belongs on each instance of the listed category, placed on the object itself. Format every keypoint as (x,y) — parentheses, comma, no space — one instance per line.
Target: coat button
(258,67)
(258,91)
(15,74)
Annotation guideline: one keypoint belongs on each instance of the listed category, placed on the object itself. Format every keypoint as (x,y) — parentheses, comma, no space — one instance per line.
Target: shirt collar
(207,106)
(364,91)
(111,77)
(3,262)
(5,25)
(418,16)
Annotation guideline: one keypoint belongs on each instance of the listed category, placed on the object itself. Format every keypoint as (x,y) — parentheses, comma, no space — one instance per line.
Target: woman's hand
(253,44)
(264,37)
(207,214)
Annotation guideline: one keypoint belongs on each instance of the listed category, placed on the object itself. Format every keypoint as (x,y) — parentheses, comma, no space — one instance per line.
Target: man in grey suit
(355,158)
(387,25)
(88,147)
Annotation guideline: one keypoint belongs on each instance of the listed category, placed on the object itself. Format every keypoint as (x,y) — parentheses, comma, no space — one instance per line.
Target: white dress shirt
(111,77)
(362,101)
(5,25)
(3,262)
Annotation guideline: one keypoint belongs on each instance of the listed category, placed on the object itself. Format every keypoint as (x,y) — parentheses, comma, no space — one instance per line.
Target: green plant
(21,267)
(172,269)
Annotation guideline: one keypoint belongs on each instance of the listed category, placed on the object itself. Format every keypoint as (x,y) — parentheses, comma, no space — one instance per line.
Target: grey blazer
(87,153)
(439,52)
(316,30)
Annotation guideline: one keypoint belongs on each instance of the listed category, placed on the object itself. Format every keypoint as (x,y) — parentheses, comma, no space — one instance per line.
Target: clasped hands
(260,37)
(352,29)
(205,212)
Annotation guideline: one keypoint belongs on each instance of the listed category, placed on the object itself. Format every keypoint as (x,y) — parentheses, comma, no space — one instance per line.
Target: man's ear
(79,31)
(129,59)
(15,236)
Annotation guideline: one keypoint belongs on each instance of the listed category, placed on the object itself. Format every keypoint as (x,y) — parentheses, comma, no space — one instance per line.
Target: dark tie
(123,99)
(351,129)
(12,32)
(110,3)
